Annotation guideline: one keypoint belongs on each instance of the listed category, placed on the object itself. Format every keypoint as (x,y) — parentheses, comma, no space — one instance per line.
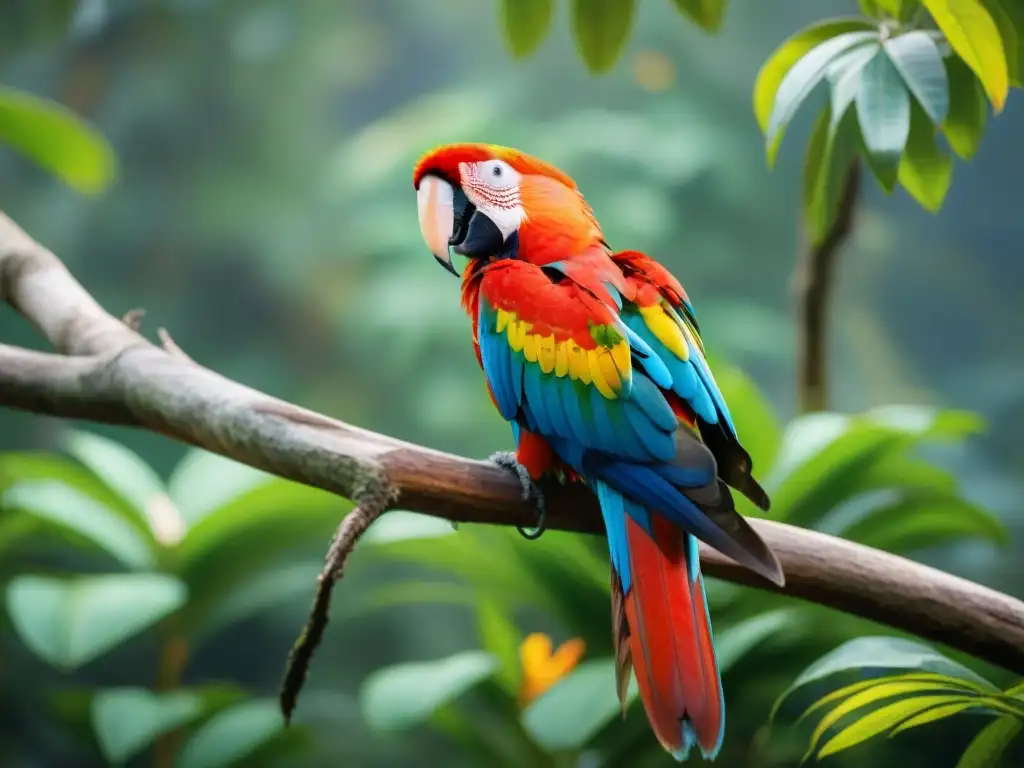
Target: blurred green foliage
(265,151)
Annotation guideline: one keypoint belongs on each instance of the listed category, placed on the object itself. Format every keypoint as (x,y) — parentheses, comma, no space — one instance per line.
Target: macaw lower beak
(435,201)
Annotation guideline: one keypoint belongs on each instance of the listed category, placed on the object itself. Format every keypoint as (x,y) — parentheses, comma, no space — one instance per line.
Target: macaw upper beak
(435,200)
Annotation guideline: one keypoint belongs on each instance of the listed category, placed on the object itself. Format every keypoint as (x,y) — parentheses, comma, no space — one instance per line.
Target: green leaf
(968,110)
(844,76)
(70,622)
(126,720)
(987,748)
(871,8)
(827,458)
(974,36)
(407,526)
(830,154)
(526,23)
(937,713)
(500,637)
(24,466)
(924,520)
(707,14)
(270,588)
(58,140)
(883,111)
(884,653)
(405,695)
(233,735)
(878,687)
(121,469)
(272,519)
(772,72)
(484,558)
(925,171)
(202,482)
(737,640)
(1009,18)
(601,28)
(901,10)
(879,721)
(801,79)
(570,713)
(918,60)
(72,510)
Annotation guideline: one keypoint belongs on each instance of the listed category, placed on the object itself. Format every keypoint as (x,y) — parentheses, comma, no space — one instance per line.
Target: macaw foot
(531,491)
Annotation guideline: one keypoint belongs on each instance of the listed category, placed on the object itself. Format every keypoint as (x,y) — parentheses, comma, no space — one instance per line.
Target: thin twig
(813,285)
(171,345)
(373,502)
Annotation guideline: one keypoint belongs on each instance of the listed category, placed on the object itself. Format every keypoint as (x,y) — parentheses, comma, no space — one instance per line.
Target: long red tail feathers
(670,641)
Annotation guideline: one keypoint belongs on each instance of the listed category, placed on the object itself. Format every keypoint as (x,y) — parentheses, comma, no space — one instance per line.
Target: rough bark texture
(104,371)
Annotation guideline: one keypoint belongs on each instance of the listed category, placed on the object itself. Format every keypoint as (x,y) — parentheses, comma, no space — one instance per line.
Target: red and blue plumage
(595,359)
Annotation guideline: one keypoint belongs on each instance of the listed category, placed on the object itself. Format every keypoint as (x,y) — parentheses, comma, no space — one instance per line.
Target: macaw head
(491,202)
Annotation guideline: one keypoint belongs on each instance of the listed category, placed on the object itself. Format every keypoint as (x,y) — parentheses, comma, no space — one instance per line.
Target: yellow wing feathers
(607,366)
(666,329)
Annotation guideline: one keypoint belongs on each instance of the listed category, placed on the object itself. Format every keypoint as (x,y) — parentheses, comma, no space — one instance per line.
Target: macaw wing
(661,314)
(559,360)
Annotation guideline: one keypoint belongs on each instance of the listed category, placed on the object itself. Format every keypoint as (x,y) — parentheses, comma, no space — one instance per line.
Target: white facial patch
(493,187)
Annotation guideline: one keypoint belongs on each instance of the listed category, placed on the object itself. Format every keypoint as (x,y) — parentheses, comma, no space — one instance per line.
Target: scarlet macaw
(595,359)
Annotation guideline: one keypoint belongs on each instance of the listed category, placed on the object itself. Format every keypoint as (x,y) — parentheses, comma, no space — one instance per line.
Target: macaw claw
(531,491)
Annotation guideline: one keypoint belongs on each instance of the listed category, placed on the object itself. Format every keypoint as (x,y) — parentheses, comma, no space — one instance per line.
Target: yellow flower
(542,668)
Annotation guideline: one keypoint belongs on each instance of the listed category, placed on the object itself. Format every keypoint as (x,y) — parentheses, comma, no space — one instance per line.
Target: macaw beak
(449,220)
(435,201)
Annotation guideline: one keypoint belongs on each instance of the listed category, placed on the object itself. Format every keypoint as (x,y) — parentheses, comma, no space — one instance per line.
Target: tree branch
(109,373)
(812,283)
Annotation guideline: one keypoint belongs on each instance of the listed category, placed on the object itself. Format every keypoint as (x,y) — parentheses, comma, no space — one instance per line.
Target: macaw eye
(499,174)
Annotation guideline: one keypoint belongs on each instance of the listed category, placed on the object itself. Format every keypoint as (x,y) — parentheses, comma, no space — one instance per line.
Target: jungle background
(263,213)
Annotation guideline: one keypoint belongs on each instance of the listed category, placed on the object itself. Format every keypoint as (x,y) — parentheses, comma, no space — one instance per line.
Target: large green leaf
(251,533)
(126,720)
(739,639)
(57,139)
(973,34)
(123,471)
(775,69)
(844,75)
(707,14)
(883,111)
(407,694)
(202,482)
(72,510)
(925,520)
(233,735)
(70,622)
(571,712)
(827,458)
(926,170)
(968,110)
(987,748)
(526,23)
(485,558)
(271,587)
(601,28)
(875,654)
(917,58)
(801,79)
